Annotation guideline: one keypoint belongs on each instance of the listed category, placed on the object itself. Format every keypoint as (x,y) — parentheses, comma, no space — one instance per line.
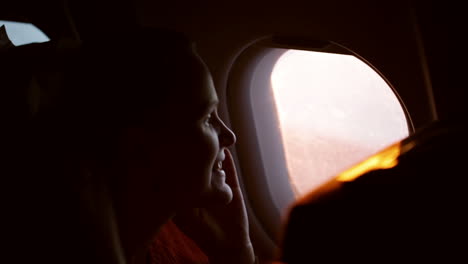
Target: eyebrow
(209,105)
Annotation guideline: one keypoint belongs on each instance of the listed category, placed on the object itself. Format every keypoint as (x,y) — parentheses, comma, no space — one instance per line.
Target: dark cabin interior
(440,29)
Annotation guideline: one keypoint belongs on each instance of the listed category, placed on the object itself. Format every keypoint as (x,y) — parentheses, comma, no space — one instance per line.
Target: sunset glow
(334,111)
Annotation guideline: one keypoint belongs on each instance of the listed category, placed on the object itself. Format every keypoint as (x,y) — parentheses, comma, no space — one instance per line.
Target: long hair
(115,84)
(112,83)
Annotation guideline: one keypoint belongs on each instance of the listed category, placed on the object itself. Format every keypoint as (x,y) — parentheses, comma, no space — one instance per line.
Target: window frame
(253,68)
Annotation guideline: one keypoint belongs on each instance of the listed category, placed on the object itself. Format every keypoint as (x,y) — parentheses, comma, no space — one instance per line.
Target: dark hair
(117,79)
(113,82)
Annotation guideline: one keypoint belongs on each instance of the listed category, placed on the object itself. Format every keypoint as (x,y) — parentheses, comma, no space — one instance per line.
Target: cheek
(212,143)
(188,161)
(203,150)
(182,162)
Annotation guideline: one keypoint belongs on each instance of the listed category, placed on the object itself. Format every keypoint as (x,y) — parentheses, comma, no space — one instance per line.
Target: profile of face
(182,160)
(201,139)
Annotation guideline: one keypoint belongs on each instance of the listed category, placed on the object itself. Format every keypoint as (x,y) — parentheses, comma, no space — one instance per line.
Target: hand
(221,231)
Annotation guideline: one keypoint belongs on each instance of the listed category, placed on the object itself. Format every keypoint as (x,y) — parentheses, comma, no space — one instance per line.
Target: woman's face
(182,158)
(201,140)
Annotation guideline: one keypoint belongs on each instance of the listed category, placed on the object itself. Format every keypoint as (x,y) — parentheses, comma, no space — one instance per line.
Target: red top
(171,246)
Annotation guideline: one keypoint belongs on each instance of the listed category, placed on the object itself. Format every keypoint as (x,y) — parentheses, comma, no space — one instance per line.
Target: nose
(226,135)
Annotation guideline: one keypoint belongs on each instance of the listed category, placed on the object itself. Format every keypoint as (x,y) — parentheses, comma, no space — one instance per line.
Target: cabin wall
(381,33)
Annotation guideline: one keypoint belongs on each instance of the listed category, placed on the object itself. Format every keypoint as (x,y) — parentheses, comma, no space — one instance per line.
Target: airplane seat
(413,211)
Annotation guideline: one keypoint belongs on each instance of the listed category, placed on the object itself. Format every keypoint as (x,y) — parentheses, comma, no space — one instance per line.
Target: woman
(137,134)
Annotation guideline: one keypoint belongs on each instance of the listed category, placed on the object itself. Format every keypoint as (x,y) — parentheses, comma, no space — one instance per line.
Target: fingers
(230,170)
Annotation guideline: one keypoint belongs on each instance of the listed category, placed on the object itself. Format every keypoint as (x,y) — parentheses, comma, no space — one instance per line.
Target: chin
(219,195)
(225,194)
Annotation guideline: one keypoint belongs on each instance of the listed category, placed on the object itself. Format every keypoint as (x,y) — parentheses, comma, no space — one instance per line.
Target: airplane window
(301,117)
(23,33)
(334,110)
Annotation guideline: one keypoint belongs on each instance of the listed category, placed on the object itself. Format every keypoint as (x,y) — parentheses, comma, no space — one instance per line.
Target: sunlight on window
(334,111)
(23,33)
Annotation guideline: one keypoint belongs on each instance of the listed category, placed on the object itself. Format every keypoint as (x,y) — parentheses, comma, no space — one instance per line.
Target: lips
(218,165)
(219,175)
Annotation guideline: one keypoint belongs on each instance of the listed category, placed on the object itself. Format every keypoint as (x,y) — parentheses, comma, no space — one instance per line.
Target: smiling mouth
(218,166)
